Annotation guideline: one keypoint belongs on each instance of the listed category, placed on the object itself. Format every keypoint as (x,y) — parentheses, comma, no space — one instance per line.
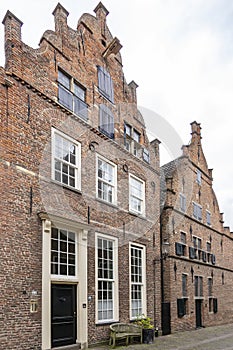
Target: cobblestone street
(217,338)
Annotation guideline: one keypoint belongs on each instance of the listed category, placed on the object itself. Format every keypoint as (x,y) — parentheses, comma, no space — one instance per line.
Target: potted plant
(147,329)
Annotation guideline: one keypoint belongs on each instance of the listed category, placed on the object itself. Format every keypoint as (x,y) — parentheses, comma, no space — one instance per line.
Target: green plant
(144,321)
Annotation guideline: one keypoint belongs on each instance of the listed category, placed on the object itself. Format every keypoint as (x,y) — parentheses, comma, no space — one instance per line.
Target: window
(106,121)
(132,142)
(183,237)
(71,95)
(146,155)
(208,218)
(180,249)
(106,279)
(106,180)
(63,253)
(197,211)
(182,202)
(210,294)
(137,287)
(184,285)
(105,83)
(196,242)
(66,160)
(198,283)
(136,195)
(198,177)
(208,247)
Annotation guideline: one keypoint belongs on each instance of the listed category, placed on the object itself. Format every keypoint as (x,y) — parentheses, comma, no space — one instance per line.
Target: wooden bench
(124,331)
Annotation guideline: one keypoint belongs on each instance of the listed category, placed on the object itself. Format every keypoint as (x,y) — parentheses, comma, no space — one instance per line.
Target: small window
(183,237)
(106,121)
(182,202)
(196,242)
(146,155)
(197,211)
(66,160)
(136,195)
(106,180)
(198,284)
(180,249)
(72,95)
(208,246)
(208,218)
(184,285)
(105,83)
(132,141)
(198,177)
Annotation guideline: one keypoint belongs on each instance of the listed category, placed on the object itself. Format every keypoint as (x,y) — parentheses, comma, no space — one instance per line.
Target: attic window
(103,43)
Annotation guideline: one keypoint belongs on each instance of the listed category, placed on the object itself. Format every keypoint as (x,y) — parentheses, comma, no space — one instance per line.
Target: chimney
(101,14)
(12,40)
(196,131)
(60,18)
(133,87)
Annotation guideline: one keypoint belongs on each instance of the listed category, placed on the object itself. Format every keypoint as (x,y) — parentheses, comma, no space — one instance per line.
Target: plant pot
(148,335)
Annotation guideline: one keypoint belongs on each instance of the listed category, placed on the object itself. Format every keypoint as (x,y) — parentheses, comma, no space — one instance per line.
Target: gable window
(208,218)
(72,95)
(106,121)
(136,195)
(105,83)
(182,202)
(137,280)
(107,284)
(197,211)
(132,141)
(63,253)
(66,160)
(199,177)
(106,180)
(146,155)
(198,286)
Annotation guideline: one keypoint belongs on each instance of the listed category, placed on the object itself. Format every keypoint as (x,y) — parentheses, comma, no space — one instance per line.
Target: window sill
(105,323)
(66,187)
(107,203)
(141,216)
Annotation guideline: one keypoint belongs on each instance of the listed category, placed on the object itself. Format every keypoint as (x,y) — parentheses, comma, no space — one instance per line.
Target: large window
(72,95)
(106,180)
(63,253)
(137,278)
(105,83)
(136,195)
(66,160)
(106,279)
(106,121)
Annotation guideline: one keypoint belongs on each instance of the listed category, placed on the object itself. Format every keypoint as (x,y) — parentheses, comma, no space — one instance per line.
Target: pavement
(210,338)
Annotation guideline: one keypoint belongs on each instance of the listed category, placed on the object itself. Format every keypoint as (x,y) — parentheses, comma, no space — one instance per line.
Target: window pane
(80,92)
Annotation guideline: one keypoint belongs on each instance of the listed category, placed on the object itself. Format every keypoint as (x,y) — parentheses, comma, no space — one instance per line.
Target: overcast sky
(179,52)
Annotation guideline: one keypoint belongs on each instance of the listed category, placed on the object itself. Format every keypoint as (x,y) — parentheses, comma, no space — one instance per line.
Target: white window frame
(76,166)
(64,276)
(112,185)
(142,283)
(142,198)
(114,280)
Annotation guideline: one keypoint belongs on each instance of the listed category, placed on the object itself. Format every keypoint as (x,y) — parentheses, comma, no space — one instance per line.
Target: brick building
(79,189)
(197,275)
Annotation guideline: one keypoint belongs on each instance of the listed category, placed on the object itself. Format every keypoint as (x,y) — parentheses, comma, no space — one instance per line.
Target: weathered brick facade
(35,203)
(200,246)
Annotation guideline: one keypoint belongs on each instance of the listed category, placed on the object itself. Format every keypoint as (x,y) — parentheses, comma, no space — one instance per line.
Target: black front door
(63,314)
(198,313)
